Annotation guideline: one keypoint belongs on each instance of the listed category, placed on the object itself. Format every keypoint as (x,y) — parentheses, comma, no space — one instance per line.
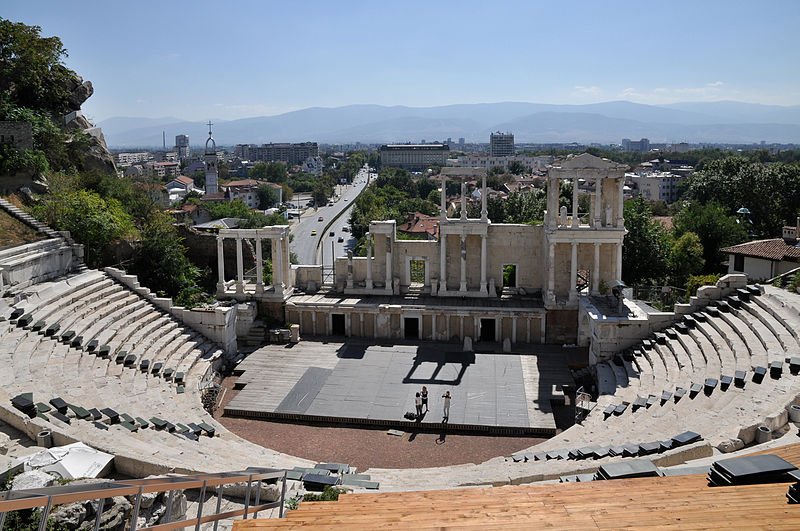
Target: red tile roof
(775,249)
(419,223)
(184,179)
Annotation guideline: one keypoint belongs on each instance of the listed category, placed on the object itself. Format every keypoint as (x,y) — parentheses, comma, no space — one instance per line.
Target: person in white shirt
(446,404)
(418,403)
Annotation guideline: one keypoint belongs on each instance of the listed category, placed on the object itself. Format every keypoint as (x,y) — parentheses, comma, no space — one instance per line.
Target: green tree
(160,261)
(267,196)
(274,172)
(32,73)
(715,228)
(91,220)
(685,257)
(645,248)
(516,167)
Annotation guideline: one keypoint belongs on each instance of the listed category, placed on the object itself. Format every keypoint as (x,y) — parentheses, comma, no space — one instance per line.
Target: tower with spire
(211,161)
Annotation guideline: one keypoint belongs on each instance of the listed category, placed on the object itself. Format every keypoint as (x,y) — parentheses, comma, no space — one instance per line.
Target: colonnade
(281,266)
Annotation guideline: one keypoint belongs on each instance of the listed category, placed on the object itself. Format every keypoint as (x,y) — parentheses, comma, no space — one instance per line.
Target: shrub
(696,281)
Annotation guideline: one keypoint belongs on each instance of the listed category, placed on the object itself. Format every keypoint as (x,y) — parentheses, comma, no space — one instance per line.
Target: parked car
(331,233)
(319,218)
(345,229)
(340,240)
(313,233)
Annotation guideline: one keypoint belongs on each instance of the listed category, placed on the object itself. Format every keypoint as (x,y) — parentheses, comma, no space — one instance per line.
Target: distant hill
(607,122)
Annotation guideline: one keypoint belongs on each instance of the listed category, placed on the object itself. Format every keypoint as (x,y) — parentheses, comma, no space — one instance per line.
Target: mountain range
(608,122)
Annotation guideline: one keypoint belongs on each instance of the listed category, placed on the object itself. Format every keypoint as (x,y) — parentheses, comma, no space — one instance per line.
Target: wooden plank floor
(677,502)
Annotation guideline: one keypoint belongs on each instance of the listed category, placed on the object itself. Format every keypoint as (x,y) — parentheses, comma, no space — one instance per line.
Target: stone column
(575,221)
(552,201)
(259,268)
(221,265)
(239,267)
(483,263)
(484,210)
(463,284)
(277,266)
(369,261)
(388,263)
(461,329)
(442,261)
(314,322)
(374,326)
(433,327)
(620,205)
(514,329)
(596,270)
(619,262)
(361,324)
(598,206)
(443,211)
(551,273)
(573,273)
(286,278)
(463,199)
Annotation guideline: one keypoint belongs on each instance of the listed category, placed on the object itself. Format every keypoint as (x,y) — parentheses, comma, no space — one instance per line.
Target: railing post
(219,505)
(200,505)
(137,505)
(45,514)
(283,496)
(100,504)
(170,499)
(247,496)
(258,497)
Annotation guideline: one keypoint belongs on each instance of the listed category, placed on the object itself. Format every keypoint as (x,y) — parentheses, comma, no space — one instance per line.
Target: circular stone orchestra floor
(367,448)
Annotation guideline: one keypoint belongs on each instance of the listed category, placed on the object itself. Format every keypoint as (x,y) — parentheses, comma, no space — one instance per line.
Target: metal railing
(47,498)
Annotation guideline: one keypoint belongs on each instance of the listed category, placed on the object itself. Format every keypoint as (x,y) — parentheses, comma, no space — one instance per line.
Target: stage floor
(377,383)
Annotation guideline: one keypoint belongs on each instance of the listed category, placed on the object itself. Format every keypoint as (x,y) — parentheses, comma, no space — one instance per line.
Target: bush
(329,494)
(696,281)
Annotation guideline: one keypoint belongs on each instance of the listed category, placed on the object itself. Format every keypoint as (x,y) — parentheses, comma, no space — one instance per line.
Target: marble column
(221,264)
(514,329)
(621,204)
(483,263)
(596,270)
(463,283)
(551,220)
(361,324)
(259,268)
(619,262)
(433,327)
(463,199)
(277,266)
(286,278)
(314,322)
(484,210)
(442,261)
(369,261)
(573,273)
(239,267)
(598,206)
(575,221)
(461,329)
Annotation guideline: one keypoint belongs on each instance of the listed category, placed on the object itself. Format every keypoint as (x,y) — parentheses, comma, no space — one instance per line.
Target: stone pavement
(378,382)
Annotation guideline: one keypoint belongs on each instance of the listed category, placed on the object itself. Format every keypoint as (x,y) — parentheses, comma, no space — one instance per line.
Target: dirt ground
(370,448)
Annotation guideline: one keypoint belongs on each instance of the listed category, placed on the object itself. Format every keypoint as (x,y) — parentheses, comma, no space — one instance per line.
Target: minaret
(210,158)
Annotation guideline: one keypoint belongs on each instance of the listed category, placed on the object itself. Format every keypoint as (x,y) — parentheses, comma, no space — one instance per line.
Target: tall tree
(645,248)
(715,229)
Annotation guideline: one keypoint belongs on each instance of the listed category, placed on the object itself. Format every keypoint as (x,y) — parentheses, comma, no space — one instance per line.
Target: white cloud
(586,90)
(711,91)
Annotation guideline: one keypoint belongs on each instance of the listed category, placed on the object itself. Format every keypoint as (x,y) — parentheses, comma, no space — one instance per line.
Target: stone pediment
(586,161)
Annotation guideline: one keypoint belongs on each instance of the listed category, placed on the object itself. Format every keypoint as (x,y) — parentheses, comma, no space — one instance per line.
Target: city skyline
(255,59)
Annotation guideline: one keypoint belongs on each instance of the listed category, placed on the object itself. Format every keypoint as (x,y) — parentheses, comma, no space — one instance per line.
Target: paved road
(305,244)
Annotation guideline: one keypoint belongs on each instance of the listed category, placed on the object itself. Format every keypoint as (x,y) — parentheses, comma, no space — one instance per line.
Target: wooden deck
(678,502)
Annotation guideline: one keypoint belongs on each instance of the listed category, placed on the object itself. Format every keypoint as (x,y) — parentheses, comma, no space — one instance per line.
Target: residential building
(414,157)
(764,259)
(246,190)
(127,159)
(421,225)
(482,160)
(657,186)
(501,144)
(291,154)
(164,170)
(180,187)
(641,145)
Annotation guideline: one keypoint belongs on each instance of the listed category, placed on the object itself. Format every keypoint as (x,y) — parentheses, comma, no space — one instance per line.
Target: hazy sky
(236,59)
